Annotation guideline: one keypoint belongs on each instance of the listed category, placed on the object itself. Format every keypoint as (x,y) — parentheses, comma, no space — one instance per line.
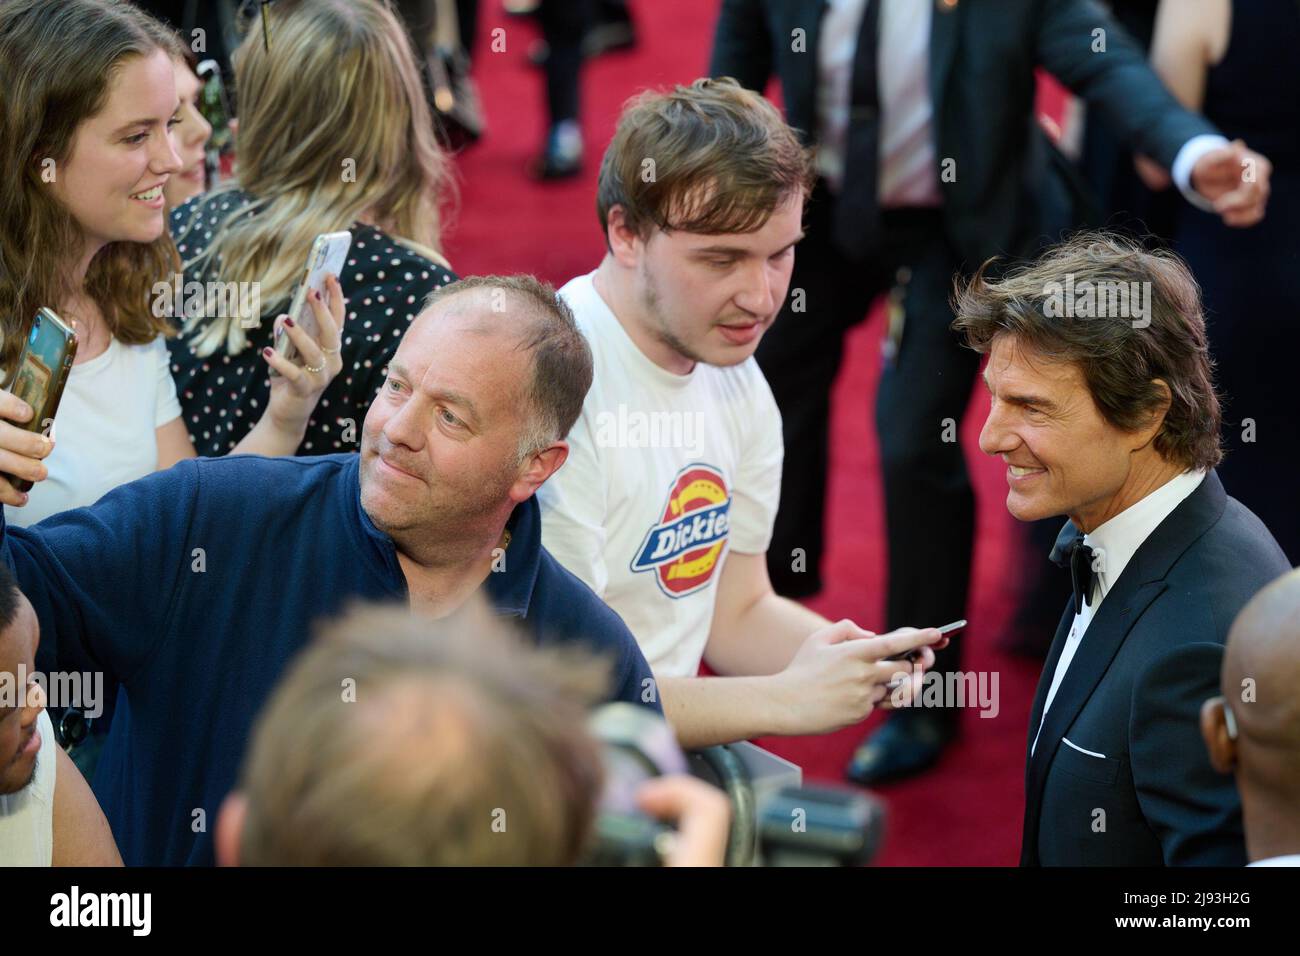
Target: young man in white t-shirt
(48,816)
(666,503)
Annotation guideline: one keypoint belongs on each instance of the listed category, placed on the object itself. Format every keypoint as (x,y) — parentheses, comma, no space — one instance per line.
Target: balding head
(537,322)
(1254,728)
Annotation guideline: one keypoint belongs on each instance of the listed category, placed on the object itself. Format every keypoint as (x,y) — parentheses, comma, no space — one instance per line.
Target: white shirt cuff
(1187,157)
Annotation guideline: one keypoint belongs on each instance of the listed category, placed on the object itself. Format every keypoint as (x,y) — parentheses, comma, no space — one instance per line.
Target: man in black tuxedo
(1103,410)
(930,161)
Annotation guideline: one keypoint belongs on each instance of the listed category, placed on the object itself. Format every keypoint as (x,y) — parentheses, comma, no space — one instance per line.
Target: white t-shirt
(27,817)
(665,472)
(105,431)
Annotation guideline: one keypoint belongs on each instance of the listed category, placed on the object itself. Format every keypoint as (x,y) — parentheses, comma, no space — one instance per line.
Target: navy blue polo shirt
(192,588)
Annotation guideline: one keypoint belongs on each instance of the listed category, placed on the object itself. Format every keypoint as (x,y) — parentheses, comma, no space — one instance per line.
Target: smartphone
(915,653)
(42,371)
(328,255)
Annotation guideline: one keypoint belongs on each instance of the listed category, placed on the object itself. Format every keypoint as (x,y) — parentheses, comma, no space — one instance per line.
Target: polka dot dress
(223,396)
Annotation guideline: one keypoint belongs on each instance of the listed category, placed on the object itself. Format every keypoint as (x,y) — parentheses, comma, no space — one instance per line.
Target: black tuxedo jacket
(1145,794)
(983,54)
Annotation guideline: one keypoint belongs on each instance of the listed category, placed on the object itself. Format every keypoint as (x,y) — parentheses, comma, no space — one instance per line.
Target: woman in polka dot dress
(334,133)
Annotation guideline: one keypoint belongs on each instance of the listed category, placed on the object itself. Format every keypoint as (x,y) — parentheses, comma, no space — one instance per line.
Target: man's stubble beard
(660,329)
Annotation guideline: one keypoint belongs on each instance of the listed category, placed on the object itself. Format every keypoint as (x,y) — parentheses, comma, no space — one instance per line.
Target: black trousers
(924,390)
(564,23)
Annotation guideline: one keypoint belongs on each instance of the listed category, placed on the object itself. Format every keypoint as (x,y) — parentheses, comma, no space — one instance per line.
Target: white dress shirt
(908,169)
(1114,543)
(1291,859)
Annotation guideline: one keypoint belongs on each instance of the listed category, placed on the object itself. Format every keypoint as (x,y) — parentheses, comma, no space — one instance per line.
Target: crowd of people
(351,602)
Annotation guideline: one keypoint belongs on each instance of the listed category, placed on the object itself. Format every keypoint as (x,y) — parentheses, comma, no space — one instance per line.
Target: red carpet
(968,810)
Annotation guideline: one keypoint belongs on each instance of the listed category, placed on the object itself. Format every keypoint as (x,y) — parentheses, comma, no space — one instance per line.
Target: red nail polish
(267,351)
(288,321)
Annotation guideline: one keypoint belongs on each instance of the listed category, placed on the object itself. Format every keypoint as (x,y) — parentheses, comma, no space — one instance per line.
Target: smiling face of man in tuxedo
(1062,456)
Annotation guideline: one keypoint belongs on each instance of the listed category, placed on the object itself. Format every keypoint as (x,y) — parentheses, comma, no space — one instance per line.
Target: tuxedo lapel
(1140,584)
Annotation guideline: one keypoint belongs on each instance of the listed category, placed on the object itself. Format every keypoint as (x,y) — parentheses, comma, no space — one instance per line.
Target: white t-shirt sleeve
(757,490)
(27,817)
(167,405)
(573,504)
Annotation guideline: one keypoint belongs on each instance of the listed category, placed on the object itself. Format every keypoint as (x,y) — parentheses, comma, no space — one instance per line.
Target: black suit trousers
(923,393)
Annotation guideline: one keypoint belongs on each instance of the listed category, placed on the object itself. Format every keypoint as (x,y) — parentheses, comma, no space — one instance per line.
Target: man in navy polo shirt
(192,588)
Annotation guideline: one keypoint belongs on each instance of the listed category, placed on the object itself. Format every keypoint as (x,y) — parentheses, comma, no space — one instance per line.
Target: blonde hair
(333,128)
(400,741)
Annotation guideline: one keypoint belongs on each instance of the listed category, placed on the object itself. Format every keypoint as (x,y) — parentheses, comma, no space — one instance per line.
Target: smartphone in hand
(329,253)
(41,373)
(915,654)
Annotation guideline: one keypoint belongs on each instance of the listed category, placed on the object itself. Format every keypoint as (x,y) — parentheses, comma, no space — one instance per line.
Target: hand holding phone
(329,254)
(914,655)
(29,404)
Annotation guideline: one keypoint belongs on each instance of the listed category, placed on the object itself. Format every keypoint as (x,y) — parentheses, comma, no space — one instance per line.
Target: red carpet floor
(968,810)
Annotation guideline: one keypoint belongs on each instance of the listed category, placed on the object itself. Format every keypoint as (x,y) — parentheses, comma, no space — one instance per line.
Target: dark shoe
(521,8)
(557,162)
(907,744)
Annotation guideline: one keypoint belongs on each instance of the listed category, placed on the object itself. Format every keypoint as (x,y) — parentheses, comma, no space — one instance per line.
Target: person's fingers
(701,812)
(10,495)
(895,642)
(890,673)
(841,631)
(21,466)
(1244,196)
(14,408)
(310,353)
(24,442)
(327,320)
(279,363)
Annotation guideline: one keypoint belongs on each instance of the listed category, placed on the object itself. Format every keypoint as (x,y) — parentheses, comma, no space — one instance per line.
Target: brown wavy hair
(58,59)
(712,157)
(1120,359)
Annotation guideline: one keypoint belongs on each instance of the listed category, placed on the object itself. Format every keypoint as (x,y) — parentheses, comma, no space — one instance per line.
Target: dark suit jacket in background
(983,54)
(1133,692)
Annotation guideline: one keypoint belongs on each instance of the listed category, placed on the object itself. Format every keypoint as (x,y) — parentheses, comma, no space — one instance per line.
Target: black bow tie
(1081,573)
(1082,562)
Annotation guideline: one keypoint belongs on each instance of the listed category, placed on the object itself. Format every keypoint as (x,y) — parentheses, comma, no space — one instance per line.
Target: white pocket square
(1090,753)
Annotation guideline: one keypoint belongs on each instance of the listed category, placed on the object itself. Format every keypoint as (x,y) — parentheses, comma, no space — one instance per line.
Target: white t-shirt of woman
(105,431)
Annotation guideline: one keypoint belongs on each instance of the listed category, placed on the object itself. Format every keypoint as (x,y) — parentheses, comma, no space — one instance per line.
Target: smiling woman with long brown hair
(86,114)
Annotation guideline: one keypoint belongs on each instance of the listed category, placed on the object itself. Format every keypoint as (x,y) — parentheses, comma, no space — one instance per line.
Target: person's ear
(230,828)
(624,242)
(1219,742)
(1147,433)
(539,466)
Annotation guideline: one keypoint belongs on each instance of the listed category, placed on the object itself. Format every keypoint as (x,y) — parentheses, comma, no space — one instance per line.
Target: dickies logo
(684,548)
